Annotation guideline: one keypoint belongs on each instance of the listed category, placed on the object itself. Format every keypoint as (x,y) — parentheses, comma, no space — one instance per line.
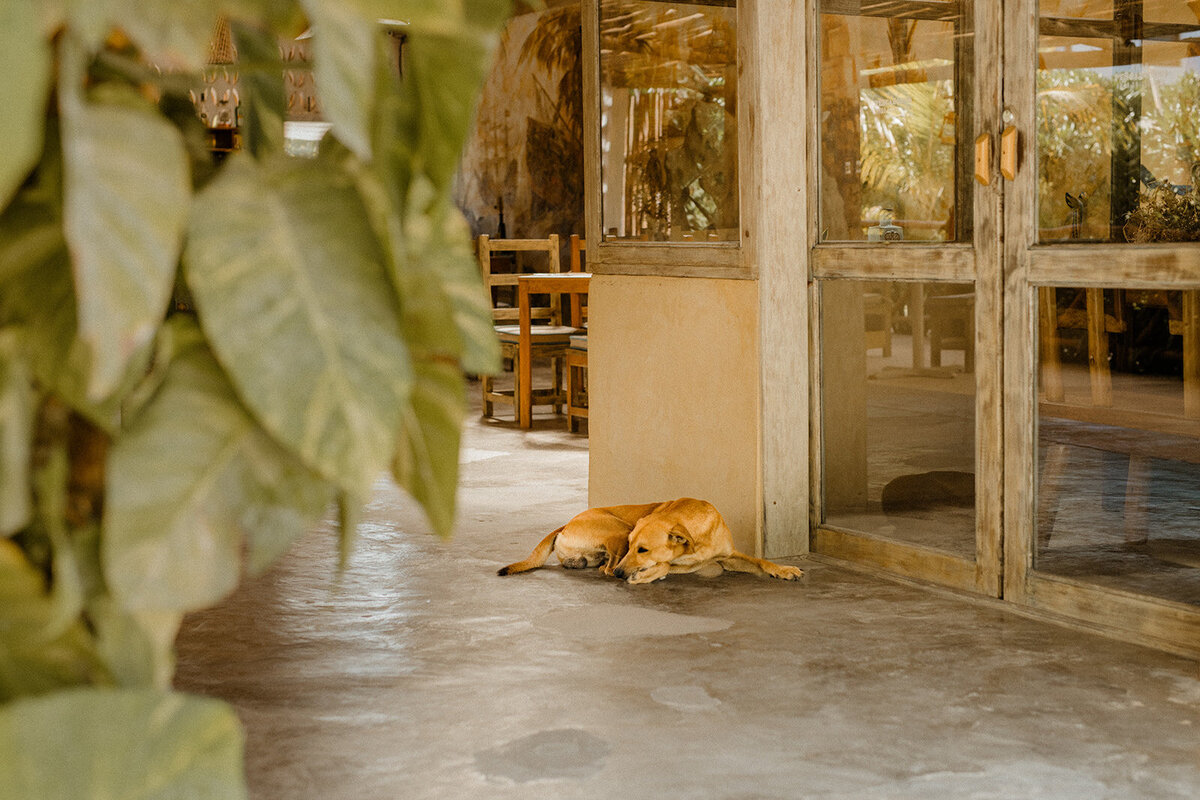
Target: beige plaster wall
(673,388)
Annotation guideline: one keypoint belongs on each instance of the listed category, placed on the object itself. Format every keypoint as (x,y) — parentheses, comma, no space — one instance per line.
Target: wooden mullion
(894,9)
(1071,28)
(941,262)
(1129,266)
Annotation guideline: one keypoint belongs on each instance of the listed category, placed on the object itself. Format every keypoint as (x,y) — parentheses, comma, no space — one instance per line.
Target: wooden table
(538,283)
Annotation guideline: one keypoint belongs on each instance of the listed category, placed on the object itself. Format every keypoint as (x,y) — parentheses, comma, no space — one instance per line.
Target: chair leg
(557,365)
(517,392)
(485,384)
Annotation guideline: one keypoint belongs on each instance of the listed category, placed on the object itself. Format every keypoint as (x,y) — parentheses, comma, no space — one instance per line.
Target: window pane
(1118,121)
(668,121)
(892,114)
(1119,439)
(899,411)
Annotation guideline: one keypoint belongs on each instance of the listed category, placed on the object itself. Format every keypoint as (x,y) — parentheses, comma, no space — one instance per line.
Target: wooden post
(1052,382)
(1098,368)
(1191,353)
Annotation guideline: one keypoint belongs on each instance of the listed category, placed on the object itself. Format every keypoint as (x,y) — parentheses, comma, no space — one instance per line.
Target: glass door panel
(899,411)
(1118,438)
(1118,136)
(893,99)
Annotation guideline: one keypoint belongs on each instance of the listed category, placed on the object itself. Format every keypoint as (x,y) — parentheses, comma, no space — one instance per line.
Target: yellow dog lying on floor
(644,543)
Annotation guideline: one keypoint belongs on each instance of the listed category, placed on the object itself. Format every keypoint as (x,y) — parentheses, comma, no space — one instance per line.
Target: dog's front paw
(650,574)
(786,573)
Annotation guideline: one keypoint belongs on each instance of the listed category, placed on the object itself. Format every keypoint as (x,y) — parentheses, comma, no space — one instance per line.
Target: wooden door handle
(983,158)
(1008,152)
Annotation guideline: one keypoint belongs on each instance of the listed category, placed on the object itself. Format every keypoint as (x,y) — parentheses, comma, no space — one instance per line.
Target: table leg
(916,311)
(523,396)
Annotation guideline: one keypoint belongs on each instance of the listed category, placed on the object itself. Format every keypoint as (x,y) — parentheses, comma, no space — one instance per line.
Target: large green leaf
(172,34)
(438,16)
(344,53)
(438,258)
(427,459)
(443,74)
(292,293)
(25,63)
(260,86)
(137,647)
(434,271)
(96,743)
(16,436)
(37,296)
(37,655)
(173,537)
(126,203)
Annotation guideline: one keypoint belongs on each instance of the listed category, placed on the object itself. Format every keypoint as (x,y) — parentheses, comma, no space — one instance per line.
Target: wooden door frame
(977,262)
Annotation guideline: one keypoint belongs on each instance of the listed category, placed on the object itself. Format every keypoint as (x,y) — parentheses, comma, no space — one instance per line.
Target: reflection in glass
(898,406)
(895,90)
(1119,439)
(1118,128)
(668,121)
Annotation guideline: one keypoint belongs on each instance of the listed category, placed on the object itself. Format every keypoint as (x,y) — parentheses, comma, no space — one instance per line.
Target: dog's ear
(679,535)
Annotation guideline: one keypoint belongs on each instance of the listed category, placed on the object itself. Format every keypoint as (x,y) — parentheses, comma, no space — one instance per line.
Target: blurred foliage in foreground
(149,459)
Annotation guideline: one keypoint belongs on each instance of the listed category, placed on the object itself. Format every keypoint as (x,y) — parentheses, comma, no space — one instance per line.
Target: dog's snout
(620,573)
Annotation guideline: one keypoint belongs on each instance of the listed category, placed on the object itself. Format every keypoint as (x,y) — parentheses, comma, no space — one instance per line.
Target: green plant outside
(149,457)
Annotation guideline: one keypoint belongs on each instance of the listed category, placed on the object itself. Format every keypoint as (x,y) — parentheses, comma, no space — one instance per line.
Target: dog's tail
(536,559)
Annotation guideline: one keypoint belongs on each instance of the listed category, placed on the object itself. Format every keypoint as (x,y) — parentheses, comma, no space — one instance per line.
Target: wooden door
(906,264)
(1102,316)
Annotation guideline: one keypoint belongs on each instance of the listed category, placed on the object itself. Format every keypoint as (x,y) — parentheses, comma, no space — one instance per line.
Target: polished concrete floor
(418,673)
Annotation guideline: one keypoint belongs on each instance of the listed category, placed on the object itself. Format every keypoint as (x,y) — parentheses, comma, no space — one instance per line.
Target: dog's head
(653,544)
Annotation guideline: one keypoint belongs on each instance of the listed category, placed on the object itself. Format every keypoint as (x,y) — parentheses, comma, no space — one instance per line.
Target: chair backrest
(504,309)
(579,311)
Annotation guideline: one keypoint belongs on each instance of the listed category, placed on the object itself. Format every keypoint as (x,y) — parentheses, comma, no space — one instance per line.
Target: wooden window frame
(666,259)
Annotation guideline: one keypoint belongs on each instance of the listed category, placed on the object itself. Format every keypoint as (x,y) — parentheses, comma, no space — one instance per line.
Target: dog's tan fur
(644,543)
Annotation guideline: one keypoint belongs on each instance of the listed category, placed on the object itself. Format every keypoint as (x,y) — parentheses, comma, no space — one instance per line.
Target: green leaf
(25,61)
(344,56)
(439,259)
(438,15)
(16,436)
(37,297)
(443,75)
(427,460)
(292,293)
(260,88)
(97,743)
(285,17)
(173,537)
(172,34)
(126,204)
(138,647)
(37,655)
(435,273)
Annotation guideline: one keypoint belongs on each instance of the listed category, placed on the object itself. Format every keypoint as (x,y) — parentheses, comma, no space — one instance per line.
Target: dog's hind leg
(740,562)
(536,559)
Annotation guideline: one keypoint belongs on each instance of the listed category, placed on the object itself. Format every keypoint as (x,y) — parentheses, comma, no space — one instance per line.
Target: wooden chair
(951,322)
(550,336)
(877,313)
(577,352)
